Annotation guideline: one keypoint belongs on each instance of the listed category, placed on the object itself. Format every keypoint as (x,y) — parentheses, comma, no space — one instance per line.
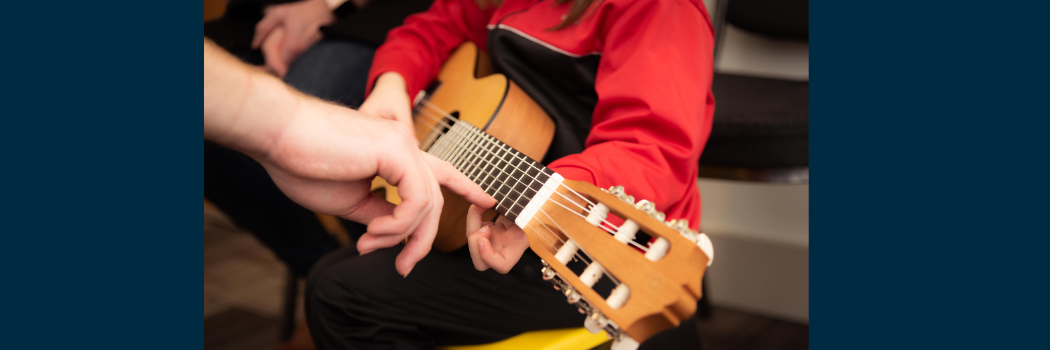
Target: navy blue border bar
(927,191)
(102,163)
(928,200)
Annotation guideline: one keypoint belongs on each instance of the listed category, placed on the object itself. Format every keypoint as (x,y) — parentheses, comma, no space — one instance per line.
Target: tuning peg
(627,198)
(646,206)
(547,272)
(595,322)
(616,190)
(571,295)
(680,225)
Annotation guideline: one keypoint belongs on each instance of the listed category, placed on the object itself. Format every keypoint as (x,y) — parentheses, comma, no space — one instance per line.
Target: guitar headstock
(655,266)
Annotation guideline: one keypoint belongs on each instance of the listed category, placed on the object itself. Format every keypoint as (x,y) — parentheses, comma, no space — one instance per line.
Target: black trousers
(240,186)
(360,302)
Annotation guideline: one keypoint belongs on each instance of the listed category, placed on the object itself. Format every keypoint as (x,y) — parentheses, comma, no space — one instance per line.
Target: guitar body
(491,102)
(657,275)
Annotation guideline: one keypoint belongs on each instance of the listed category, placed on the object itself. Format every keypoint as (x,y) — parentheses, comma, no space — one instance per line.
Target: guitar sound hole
(439,129)
(449,122)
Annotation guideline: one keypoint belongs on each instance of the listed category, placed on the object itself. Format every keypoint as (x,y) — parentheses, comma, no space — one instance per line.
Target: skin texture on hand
(289,29)
(389,100)
(496,245)
(324,156)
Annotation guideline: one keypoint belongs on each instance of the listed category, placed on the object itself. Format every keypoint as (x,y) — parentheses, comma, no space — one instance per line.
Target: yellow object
(555,339)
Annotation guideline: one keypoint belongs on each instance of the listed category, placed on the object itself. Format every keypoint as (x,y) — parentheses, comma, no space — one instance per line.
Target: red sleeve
(654,109)
(417,48)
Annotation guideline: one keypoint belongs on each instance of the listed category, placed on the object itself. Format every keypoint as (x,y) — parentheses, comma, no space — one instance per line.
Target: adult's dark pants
(360,302)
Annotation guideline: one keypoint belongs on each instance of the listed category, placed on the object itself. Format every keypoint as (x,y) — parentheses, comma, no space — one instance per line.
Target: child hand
(496,245)
(389,100)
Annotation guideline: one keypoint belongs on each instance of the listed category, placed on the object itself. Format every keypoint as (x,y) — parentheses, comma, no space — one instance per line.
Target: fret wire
(492,141)
(452,147)
(455,144)
(531,165)
(458,142)
(446,143)
(489,166)
(501,154)
(454,137)
(443,142)
(464,148)
(457,157)
(435,149)
(504,182)
(542,171)
(472,159)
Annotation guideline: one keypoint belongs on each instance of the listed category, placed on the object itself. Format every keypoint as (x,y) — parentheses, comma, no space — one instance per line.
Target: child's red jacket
(628,85)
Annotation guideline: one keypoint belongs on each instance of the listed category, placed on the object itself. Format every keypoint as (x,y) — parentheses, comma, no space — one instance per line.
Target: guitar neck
(519,184)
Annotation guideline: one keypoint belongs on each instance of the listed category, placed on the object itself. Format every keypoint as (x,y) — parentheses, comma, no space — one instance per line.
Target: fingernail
(406,272)
(484,228)
(482,243)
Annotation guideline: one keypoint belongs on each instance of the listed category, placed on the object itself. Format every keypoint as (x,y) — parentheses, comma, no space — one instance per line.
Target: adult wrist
(269,107)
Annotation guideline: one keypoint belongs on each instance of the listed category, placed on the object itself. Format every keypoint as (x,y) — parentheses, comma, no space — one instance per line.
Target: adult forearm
(244,108)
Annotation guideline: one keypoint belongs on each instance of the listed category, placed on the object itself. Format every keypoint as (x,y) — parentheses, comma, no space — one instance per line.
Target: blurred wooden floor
(243,286)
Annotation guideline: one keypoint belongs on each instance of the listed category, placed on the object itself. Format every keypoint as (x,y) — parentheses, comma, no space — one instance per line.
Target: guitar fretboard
(509,176)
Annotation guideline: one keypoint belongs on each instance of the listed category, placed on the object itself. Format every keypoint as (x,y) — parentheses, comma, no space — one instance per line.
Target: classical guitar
(491,131)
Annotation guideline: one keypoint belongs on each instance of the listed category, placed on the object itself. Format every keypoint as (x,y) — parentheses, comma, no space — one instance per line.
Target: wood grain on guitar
(489,100)
(498,147)
(662,293)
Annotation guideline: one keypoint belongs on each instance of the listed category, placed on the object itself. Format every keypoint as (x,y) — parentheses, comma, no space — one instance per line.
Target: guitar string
(586,210)
(456,138)
(443,149)
(577,254)
(544,212)
(583,259)
(456,135)
(447,116)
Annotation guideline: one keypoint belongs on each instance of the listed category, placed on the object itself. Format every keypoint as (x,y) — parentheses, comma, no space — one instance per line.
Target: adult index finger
(458,183)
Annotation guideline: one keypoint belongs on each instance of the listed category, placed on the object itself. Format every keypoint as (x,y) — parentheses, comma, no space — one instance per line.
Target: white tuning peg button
(619,296)
(598,214)
(658,249)
(595,323)
(705,245)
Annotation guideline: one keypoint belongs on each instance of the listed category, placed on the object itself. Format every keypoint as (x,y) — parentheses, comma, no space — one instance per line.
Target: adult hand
(299,25)
(389,100)
(325,160)
(324,156)
(496,245)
